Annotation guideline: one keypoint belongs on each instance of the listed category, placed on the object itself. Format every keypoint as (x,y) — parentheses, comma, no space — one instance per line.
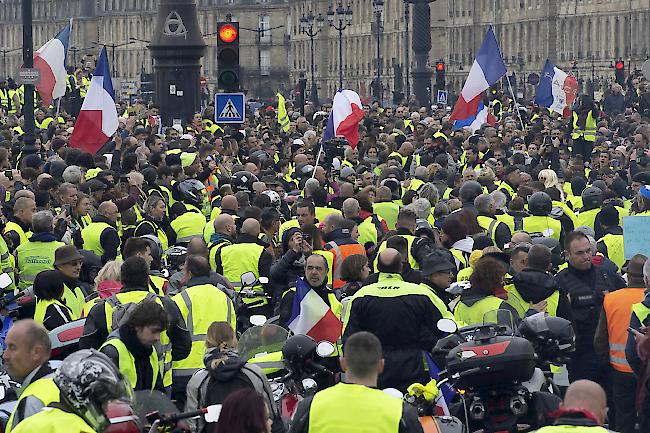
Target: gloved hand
(429,391)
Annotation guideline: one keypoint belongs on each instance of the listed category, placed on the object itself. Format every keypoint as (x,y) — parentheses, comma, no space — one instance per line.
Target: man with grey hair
(351,208)
(37,254)
(497,230)
(72,174)
(422,208)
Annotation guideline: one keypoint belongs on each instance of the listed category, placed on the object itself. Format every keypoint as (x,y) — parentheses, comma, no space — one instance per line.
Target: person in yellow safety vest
(583,410)
(247,254)
(42,120)
(610,339)
(472,159)
(188,220)
(8,99)
(153,222)
(316,268)
(533,289)
(510,183)
(611,243)
(402,314)
(51,309)
(26,360)
(437,272)
(229,206)
(498,231)
(351,157)
(584,125)
(16,105)
(144,247)
(88,381)
(224,372)
(407,157)
(540,206)
(385,208)
(592,200)
(358,404)
(486,294)
(224,232)
(103,318)
(37,254)
(101,236)
(18,229)
(68,261)
(132,347)
(453,236)
(201,304)
(340,243)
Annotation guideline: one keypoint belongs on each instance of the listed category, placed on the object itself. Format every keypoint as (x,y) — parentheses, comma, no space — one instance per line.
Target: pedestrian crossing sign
(229,108)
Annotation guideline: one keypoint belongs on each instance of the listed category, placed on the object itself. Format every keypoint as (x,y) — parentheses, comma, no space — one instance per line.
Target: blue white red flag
(50,62)
(447,393)
(347,112)
(312,316)
(556,90)
(97,120)
(488,68)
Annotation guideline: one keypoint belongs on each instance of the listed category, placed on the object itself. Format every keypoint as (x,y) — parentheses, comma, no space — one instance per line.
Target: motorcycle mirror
(5,280)
(248,279)
(309,384)
(258,319)
(394,392)
(447,325)
(212,413)
(263,280)
(325,348)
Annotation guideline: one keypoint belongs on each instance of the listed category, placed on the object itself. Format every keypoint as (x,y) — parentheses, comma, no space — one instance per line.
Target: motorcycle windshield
(260,340)
(537,323)
(503,318)
(146,402)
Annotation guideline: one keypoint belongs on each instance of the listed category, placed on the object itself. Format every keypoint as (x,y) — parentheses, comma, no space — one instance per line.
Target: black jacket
(285,271)
(406,324)
(586,291)
(96,332)
(286,302)
(145,375)
(534,286)
(502,234)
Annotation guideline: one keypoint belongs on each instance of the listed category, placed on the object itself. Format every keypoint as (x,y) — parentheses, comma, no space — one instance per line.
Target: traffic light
(619,71)
(440,75)
(228,56)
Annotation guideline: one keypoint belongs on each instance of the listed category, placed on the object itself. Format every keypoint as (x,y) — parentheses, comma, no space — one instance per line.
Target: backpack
(122,311)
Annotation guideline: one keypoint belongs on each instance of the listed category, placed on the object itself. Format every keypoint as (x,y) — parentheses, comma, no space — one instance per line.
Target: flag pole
(58,106)
(514,98)
(320,150)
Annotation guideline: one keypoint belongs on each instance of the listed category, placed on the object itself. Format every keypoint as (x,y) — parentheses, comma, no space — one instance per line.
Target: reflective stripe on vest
(126,363)
(237,259)
(488,224)
(354,408)
(618,306)
(211,305)
(43,389)
(188,225)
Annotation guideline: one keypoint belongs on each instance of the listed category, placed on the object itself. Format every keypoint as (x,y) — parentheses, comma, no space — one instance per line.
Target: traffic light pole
(260,33)
(29,138)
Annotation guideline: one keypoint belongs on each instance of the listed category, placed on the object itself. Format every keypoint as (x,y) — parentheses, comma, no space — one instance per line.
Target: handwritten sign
(636,236)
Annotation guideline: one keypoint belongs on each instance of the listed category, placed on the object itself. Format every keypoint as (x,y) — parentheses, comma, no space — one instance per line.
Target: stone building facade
(126,26)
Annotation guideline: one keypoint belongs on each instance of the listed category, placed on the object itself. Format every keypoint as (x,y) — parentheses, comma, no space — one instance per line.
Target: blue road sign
(442,97)
(229,108)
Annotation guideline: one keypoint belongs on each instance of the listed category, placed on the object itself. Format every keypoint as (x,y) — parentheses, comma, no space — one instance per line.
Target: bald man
(402,315)
(101,236)
(247,254)
(229,206)
(18,229)
(26,360)
(584,409)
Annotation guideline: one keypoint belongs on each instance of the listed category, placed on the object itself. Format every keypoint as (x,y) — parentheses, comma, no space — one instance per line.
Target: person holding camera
(284,272)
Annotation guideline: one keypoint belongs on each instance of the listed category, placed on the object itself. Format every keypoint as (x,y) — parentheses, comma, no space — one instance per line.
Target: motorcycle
(246,290)
(490,364)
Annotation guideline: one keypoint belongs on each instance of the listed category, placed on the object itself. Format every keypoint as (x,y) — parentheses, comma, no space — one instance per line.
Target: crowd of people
(148,241)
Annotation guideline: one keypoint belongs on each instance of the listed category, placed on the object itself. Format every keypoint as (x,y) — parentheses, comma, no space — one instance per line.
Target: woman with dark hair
(486,293)
(354,271)
(244,411)
(453,235)
(51,309)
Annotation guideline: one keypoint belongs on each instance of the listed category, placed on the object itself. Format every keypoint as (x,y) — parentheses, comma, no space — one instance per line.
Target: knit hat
(286,236)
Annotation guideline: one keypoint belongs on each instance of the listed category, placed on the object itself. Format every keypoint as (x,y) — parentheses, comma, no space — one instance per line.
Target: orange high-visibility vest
(340,253)
(618,311)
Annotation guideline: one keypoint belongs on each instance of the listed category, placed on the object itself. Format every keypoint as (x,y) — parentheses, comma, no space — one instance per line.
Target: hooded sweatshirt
(534,286)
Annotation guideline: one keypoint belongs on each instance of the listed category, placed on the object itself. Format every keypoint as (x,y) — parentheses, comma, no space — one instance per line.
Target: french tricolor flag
(97,120)
(347,112)
(557,90)
(312,316)
(488,68)
(50,62)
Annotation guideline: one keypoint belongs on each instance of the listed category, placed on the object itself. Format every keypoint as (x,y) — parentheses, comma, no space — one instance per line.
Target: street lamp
(307,27)
(343,21)
(112,47)
(4,60)
(378,9)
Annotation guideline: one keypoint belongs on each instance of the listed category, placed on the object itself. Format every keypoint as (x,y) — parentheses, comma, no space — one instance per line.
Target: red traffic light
(228,33)
(440,66)
(619,65)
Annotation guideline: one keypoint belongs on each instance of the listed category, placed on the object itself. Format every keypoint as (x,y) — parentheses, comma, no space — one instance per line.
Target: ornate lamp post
(378,9)
(307,28)
(343,21)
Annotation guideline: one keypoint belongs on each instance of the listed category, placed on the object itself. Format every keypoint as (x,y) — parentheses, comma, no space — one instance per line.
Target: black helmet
(243,181)
(540,204)
(297,350)
(192,192)
(88,380)
(470,190)
(592,198)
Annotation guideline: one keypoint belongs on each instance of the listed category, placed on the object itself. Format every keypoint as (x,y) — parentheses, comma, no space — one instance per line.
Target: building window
(264,24)
(265,62)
